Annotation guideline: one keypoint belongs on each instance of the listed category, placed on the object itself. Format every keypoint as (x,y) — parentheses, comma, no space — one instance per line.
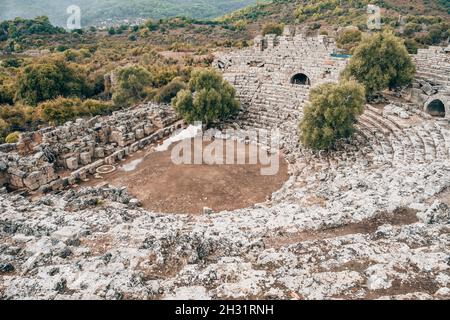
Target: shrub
(170,91)
(11,63)
(438,33)
(379,62)
(6,94)
(12,137)
(96,107)
(131,87)
(59,111)
(412,46)
(273,28)
(3,129)
(208,98)
(411,28)
(331,114)
(44,81)
(349,39)
(17,117)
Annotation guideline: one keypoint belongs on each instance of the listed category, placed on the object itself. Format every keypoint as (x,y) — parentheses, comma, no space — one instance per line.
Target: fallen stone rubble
(40,159)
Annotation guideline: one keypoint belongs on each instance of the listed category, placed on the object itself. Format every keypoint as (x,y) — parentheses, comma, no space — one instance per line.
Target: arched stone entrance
(300,79)
(436,106)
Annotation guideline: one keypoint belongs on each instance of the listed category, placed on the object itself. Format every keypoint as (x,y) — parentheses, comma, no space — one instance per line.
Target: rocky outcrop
(362,240)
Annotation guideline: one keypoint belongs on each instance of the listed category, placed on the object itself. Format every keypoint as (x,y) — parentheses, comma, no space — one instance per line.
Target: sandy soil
(163,186)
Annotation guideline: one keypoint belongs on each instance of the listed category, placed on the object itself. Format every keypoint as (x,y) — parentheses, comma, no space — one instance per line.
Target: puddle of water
(188,133)
(132,165)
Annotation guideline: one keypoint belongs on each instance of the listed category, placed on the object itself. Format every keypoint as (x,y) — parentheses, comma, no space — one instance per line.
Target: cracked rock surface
(376,234)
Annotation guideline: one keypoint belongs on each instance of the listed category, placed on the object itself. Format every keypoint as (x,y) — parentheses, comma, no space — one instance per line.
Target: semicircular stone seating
(380,139)
(383,139)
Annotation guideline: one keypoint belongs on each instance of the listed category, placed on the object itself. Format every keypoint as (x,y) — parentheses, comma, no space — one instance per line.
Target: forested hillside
(94,12)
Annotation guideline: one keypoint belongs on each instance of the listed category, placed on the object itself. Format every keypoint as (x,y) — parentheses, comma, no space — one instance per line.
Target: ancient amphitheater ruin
(369,221)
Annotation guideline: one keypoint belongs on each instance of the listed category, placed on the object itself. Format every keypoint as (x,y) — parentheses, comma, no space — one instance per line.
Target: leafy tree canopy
(47,80)
(132,84)
(14,29)
(331,114)
(208,98)
(381,61)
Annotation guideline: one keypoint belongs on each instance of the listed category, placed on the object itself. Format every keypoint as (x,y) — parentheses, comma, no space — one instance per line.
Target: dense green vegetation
(18,28)
(65,77)
(348,39)
(101,10)
(131,85)
(49,75)
(379,62)
(60,110)
(48,80)
(208,98)
(431,18)
(331,114)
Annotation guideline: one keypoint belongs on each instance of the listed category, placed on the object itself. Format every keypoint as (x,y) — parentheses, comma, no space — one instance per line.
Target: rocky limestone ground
(345,232)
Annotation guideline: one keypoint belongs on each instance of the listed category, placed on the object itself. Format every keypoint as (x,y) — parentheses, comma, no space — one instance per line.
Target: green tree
(208,98)
(132,84)
(379,62)
(273,28)
(331,114)
(44,81)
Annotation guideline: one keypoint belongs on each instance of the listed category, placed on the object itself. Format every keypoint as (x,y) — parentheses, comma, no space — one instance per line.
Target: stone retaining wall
(53,158)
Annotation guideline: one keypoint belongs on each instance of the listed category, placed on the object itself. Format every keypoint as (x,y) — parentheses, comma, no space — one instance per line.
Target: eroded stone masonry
(370,220)
(54,158)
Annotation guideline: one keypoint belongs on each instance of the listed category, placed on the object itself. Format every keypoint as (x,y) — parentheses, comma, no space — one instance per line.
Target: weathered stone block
(149,130)
(16,181)
(140,134)
(72,163)
(57,185)
(32,181)
(85,158)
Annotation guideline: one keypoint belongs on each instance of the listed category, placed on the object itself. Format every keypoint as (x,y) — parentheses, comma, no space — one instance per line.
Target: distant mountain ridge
(94,12)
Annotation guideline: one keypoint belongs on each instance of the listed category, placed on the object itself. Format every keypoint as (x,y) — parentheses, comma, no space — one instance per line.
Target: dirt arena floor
(162,186)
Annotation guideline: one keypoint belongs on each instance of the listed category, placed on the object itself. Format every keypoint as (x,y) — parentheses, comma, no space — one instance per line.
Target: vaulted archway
(436,108)
(301,79)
